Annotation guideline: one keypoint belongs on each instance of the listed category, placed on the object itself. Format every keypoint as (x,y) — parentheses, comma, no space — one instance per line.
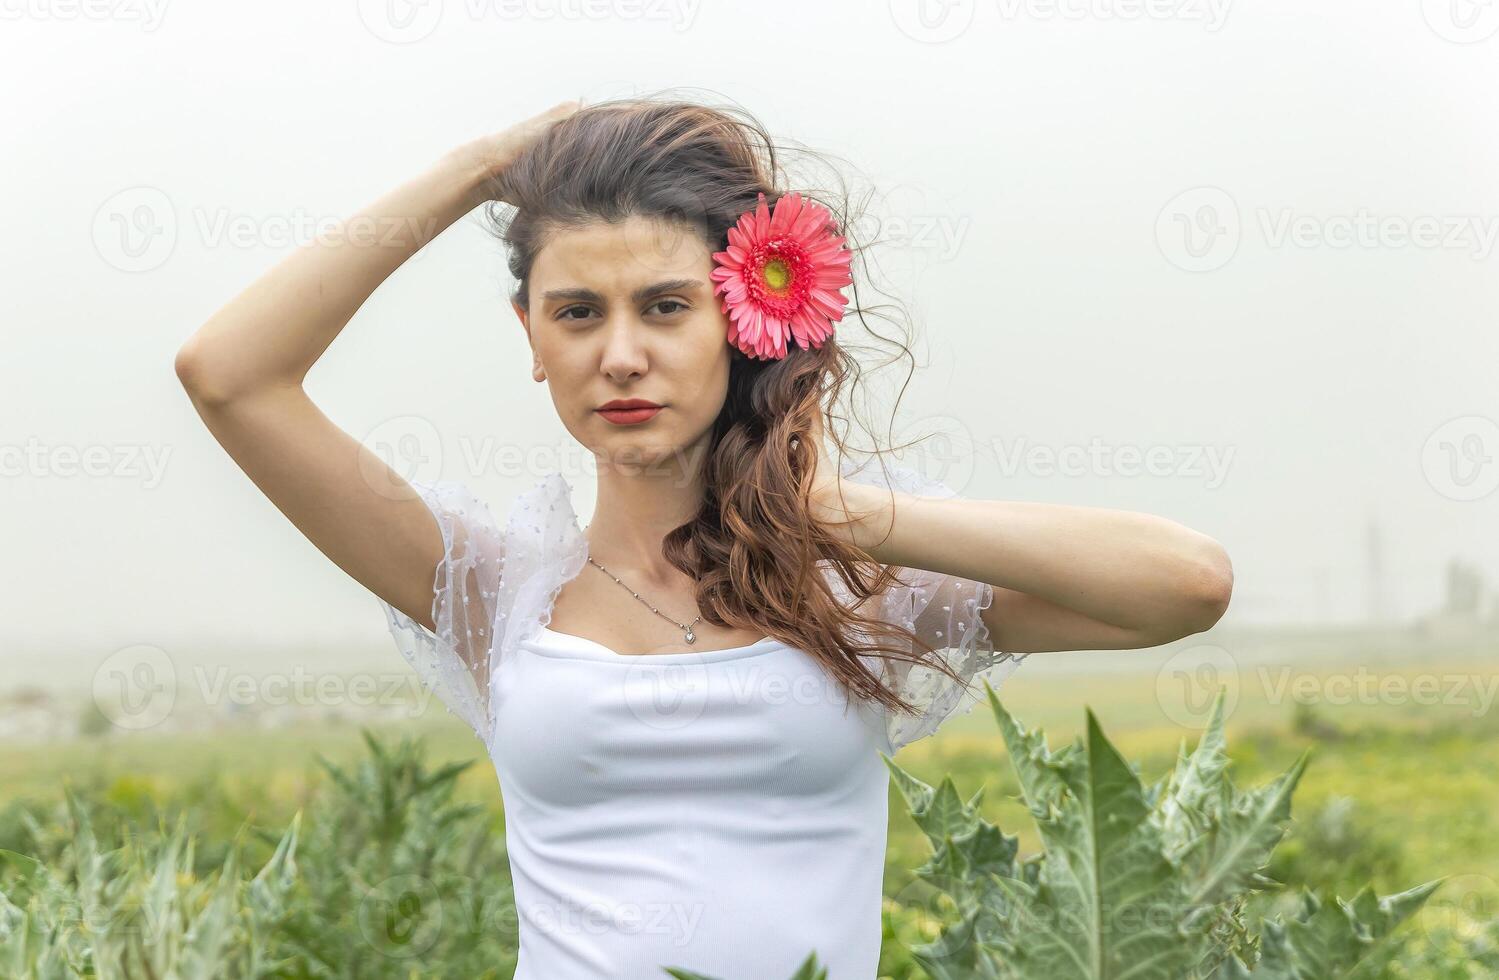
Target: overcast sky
(1233,264)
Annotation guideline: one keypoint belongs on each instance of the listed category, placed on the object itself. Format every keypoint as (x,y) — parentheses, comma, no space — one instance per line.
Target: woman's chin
(632,452)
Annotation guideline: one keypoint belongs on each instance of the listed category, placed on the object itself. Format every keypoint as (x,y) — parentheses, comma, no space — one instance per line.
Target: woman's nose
(624,352)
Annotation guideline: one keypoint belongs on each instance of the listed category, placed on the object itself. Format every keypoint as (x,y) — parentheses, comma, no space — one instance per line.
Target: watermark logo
(674,922)
(1189,681)
(1199,229)
(1473,234)
(1210,13)
(1465,904)
(409,21)
(136,229)
(400,21)
(401,916)
(1462,21)
(304,688)
(932,21)
(666,695)
(936,21)
(135,687)
(148,13)
(34,458)
(1458,458)
(910,224)
(1370,689)
(408,445)
(940,450)
(1099,459)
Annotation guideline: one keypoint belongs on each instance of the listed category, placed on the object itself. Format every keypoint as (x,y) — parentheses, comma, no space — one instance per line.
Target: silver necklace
(690,636)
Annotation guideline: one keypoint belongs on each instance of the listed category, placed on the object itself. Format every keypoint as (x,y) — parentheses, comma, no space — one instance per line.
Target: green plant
(136,910)
(1133,881)
(1337,846)
(387,877)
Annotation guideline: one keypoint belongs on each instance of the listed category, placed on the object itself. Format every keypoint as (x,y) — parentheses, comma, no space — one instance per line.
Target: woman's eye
(667,307)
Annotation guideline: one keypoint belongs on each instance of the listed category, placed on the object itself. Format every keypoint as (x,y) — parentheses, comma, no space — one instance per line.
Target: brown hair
(753,547)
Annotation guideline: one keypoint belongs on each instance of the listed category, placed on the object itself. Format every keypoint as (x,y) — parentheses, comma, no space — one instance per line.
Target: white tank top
(720,811)
(723,812)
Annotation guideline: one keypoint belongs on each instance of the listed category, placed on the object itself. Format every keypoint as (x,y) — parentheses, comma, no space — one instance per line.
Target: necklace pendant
(691,637)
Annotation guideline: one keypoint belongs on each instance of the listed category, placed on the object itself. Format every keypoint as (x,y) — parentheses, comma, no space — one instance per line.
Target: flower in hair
(781,277)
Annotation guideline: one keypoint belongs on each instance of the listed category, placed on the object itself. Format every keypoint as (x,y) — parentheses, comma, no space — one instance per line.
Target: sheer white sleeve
(944,612)
(455,660)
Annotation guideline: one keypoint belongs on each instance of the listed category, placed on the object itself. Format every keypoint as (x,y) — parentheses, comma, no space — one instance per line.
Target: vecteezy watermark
(412,448)
(305,688)
(677,921)
(908,222)
(138,687)
(138,229)
(1189,681)
(932,21)
(1458,458)
(1474,234)
(1466,904)
(221,226)
(400,21)
(678,14)
(1462,21)
(409,446)
(937,21)
(409,21)
(148,13)
(1212,14)
(1370,688)
(939,450)
(670,691)
(1200,230)
(135,687)
(1209,463)
(35,458)
(401,916)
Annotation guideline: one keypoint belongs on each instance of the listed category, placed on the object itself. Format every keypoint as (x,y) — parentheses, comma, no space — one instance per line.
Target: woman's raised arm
(244,371)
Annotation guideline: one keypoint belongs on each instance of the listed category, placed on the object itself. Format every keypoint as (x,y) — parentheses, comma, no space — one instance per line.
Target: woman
(688,736)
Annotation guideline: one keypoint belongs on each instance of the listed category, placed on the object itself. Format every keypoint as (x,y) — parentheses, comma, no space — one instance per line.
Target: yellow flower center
(777,274)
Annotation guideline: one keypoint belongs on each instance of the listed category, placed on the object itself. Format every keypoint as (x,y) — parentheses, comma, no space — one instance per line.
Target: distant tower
(1374,545)
(1464,589)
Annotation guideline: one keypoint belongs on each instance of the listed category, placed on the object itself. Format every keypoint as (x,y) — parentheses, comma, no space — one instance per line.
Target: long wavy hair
(754,547)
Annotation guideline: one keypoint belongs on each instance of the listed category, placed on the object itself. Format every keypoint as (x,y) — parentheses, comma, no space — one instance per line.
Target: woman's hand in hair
(483,161)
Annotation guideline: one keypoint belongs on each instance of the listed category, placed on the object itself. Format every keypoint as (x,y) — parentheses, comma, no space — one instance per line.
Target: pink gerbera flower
(781,277)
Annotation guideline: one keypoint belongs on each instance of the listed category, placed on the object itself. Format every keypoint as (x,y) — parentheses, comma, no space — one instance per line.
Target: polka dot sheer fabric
(495,586)
(454,660)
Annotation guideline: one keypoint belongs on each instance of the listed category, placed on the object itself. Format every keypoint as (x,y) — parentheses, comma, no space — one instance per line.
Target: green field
(1400,790)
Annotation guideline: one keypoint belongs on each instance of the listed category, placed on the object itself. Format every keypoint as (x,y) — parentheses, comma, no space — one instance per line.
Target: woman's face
(627,311)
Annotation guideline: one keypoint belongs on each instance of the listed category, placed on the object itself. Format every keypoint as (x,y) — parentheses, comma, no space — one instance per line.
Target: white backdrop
(1253,241)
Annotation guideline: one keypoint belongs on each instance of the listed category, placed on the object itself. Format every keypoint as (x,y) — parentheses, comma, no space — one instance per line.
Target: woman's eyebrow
(581,294)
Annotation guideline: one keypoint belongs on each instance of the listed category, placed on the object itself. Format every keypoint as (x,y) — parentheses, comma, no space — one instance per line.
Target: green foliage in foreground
(389,877)
(1133,880)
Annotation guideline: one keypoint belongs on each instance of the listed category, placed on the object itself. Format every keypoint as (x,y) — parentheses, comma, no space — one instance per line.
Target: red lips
(628,411)
(619,403)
